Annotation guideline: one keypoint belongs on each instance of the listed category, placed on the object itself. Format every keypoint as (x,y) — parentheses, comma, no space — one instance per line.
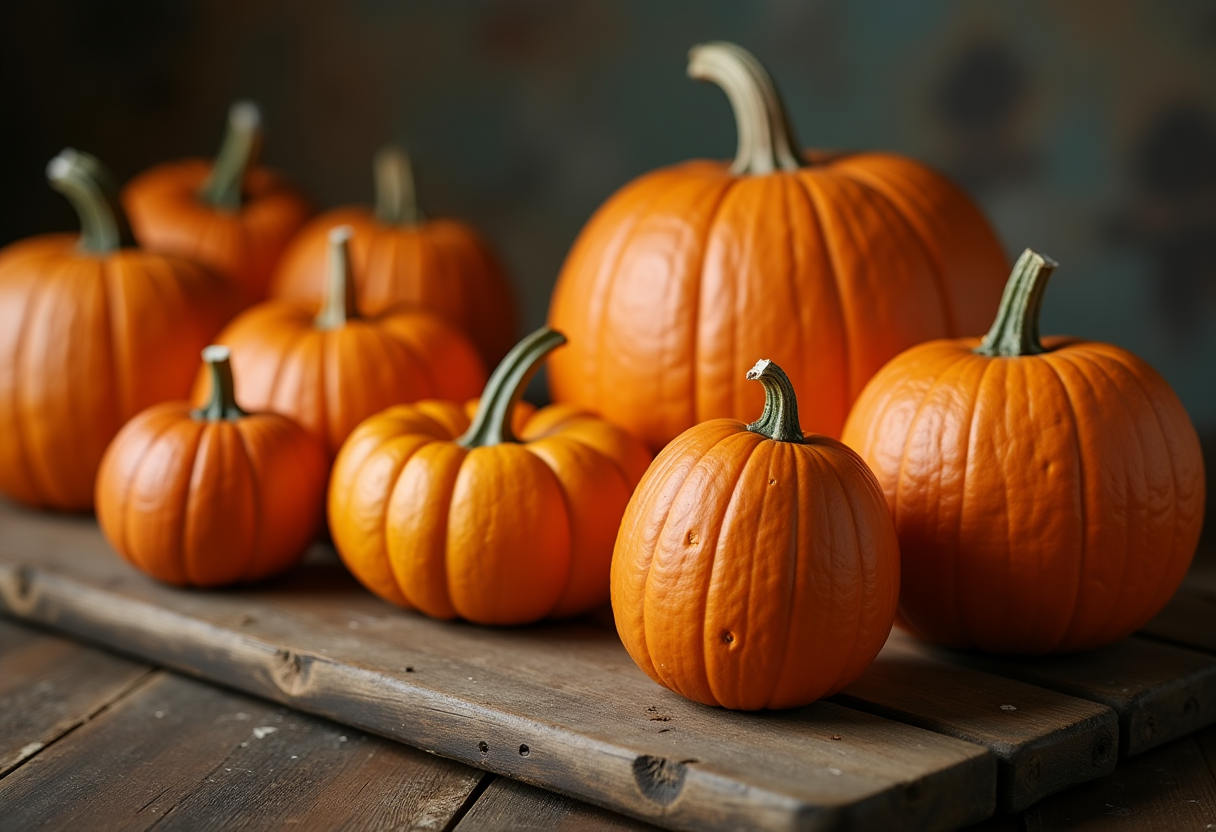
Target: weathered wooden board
(180,754)
(509,804)
(557,706)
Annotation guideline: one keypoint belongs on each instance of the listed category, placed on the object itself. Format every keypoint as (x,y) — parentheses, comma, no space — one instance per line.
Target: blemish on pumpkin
(728,637)
(659,779)
(772,482)
(693,538)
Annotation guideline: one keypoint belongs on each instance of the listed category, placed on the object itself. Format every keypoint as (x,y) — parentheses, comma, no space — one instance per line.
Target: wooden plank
(1160,691)
(50,685)
(1189,620)
(561,706)
(509,804)
(180,754)
(1044,741)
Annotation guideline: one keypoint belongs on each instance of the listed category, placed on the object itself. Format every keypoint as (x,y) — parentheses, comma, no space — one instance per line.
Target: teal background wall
(1085,128)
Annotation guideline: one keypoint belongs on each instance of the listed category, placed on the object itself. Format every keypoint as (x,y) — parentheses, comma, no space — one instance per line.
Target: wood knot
(659,779)
(1102,751)
(292,672)
(17,589)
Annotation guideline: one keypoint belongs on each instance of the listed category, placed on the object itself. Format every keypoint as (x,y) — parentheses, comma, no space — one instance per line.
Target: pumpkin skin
(461,520)
(91,333)
(755,567)
(1048,496)
(331,370)
(211,497)
(230,216)
(398,256)
(836,263)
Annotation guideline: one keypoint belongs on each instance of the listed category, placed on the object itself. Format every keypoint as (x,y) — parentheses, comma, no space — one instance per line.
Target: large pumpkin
(231,215)
(756,567)
(836,263)
(92,331)
(1048,495)
(459,519)
(330,370)
(400,256)
(211,496)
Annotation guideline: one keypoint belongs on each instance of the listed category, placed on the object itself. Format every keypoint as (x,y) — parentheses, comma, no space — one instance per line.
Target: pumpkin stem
(779,420)
(222,404)
(238,153)
(396,199)
(91,190)
(766,140)
(492,424)
(340,301)
(1016,328)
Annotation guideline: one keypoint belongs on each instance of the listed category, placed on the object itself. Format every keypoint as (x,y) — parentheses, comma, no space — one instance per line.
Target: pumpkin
(756,567)
(400,256)
(1048,494)
(463,520)
(92,331)
(331,369)
(231,215)
(835,262)
(213,496)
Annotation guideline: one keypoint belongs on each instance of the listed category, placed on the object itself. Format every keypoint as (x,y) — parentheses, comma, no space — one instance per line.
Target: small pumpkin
(232,216)
(213,496)
(1048,494)
(830,264)
(92,331)
(331,369)
(756,567)
(461,520)
(400,256)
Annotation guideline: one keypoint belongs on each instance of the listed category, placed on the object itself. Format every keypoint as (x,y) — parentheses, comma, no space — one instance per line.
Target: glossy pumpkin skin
(441,265)
(507,533)
(211,502)
(1046,502)
(836,265)
(753,573)
(87,340)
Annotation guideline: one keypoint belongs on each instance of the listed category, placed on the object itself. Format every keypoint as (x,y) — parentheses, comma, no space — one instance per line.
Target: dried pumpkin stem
(91,190)
(779,420)
(396,199)
(340,297)
(238,153)
(766,140)
(222,404)
(1016,328)
(492,424)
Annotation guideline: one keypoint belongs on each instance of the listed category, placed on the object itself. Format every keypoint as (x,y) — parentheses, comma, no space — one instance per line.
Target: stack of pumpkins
(1009,493)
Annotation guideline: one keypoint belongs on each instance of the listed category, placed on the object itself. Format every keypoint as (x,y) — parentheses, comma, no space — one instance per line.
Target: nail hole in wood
(524,751)
(483,747)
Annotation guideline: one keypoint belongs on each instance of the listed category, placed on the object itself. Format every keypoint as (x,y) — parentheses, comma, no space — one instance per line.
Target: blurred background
(1085,128)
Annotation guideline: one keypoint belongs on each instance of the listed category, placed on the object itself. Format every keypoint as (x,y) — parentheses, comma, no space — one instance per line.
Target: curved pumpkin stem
(222,404)
(238,153)
(779,421)
(90,188)
(340,297)
(1016,328)
(492,424)
(396,199)
(766,140)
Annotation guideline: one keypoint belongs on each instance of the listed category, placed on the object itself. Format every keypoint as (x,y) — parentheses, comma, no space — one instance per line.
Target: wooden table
(114,739)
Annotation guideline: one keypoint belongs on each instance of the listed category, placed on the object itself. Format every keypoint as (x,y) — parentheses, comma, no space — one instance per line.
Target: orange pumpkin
(213,496)
(231,216)
(1048,495)
(331,370)
(464,520)
(91,333)
(756,567)
(399,256)
(836,263)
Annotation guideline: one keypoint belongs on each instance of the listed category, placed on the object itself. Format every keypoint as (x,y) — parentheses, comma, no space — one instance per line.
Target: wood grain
(509,804)
(593,725)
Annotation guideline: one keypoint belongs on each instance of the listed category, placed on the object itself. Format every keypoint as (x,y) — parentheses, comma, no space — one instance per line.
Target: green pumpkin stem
(779,421)
(766,140)
(492,424)
(1016,328)
(396,199)
(340,297)
(222,404)
(238,153)
(91,190)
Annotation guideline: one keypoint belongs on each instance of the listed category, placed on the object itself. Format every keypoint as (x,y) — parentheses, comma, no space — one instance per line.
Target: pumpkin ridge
(395,567)
(24,445)
(175,553)
(711,220)
(127,552)
(792,275)
(408,348)
(788,661)
(255,493)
